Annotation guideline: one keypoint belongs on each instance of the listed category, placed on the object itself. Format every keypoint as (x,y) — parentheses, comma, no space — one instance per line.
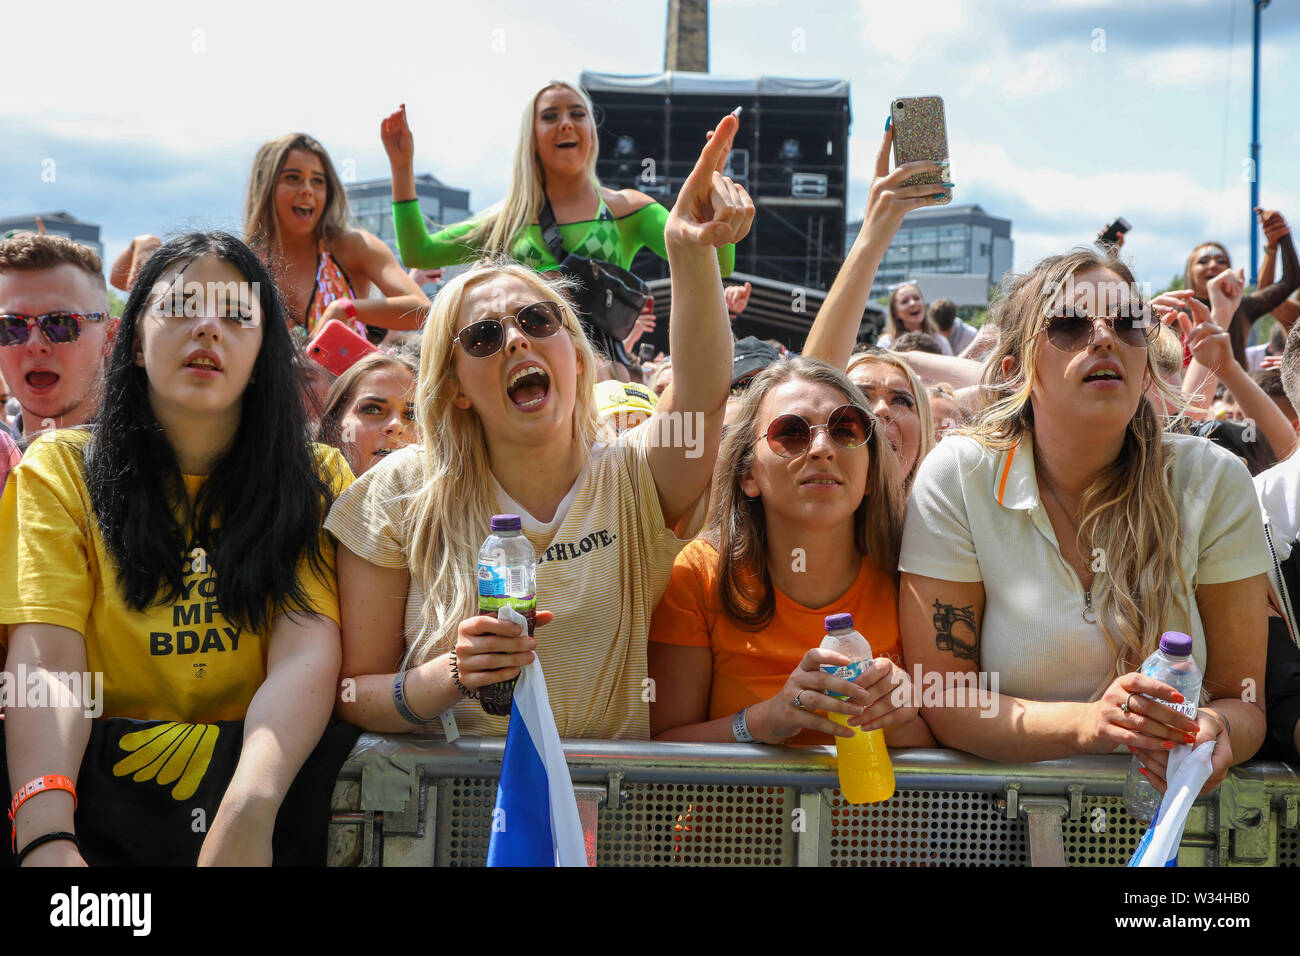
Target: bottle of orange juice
(866,774)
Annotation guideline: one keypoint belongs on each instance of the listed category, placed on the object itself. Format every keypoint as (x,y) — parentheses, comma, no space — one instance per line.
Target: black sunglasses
(540,320)
(790,435)
(1072,332)
(59,328)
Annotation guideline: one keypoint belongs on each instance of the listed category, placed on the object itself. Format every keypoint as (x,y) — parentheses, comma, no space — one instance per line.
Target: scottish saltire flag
(535,822)
(1187,772)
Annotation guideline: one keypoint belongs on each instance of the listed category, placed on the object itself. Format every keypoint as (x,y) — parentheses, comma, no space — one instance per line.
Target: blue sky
(1062,113)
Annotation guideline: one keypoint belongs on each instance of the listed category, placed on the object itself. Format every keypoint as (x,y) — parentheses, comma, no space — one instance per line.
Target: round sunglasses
(540,320)
(790,435)
(1070,331)
(59,328)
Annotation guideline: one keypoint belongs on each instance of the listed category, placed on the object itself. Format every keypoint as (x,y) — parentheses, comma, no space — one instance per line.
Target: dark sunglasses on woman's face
(790,435)
(59,328)
(540,320)
(1072,331)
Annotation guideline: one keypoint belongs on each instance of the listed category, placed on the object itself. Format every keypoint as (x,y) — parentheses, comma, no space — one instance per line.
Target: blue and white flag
(535,822)
(1186,773)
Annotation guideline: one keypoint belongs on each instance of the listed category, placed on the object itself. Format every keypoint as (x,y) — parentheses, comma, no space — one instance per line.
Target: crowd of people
(259,559)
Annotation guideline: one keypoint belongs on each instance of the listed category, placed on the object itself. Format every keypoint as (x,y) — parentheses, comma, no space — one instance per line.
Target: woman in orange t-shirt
(807,521)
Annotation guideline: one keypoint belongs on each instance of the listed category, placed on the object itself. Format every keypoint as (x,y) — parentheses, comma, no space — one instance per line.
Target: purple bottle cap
(838,622)
(506,523)
(1176,643)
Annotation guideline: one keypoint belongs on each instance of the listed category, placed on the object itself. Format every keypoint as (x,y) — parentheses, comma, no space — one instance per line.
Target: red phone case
(337,347)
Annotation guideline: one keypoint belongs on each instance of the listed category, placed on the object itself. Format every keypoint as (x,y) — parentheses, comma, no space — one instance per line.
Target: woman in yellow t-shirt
(507,411)
(110,543)
(807,519)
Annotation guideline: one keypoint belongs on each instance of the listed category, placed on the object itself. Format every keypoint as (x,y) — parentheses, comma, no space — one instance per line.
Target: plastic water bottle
(1174,665)
(507,577)
(866,774)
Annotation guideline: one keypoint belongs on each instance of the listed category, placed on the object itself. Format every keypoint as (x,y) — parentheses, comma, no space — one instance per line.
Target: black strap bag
(608,298)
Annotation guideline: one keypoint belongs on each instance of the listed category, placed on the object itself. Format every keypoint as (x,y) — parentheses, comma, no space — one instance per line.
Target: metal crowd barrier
(412,801)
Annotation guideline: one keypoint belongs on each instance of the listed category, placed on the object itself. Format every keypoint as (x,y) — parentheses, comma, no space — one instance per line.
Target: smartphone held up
(920,134)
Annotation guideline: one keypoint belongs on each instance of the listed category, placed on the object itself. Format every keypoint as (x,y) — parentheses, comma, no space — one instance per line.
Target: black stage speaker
(791,154)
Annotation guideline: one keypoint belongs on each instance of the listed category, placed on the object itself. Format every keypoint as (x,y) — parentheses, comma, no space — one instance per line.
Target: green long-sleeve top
(605,238)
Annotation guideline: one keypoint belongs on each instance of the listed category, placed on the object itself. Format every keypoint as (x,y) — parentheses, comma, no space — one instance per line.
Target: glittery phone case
(920,133)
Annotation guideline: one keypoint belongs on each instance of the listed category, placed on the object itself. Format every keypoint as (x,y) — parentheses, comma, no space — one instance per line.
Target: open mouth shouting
(303,213)
(528,386)
(42,381)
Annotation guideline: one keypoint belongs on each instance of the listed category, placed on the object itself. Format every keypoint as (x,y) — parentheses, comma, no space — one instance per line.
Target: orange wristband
(51,781)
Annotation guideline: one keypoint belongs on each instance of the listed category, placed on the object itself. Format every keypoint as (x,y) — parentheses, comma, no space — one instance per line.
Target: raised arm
(128,265)
(1277,242)
(284,722)
(710,212)
(414,244)
(835,330)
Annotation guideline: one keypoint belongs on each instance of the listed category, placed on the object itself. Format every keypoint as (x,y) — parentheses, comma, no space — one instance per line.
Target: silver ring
(797,702)
(1125,708)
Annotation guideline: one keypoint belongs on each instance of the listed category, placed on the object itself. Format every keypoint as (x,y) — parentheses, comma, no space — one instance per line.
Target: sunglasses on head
(58,328)
(1072,331)
(790,435)
(540,320)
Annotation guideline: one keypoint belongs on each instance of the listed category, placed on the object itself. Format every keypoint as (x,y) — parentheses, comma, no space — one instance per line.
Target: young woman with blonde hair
(506,406)
(1054,541)
(805,472)
(296,218)
(555,161)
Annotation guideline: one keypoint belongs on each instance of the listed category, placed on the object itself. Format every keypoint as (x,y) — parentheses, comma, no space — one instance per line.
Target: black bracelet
(47,838)
(455,676)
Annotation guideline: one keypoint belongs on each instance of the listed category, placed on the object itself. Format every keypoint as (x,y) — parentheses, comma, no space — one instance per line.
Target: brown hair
(738,524)
(1191,258)
(342,391)
(29,252)
(894,325)
(261,232)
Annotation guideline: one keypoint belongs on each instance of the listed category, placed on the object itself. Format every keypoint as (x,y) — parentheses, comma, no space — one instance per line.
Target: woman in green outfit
(555,159)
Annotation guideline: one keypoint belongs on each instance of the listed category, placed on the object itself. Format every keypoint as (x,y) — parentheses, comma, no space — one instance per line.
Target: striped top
(601,570)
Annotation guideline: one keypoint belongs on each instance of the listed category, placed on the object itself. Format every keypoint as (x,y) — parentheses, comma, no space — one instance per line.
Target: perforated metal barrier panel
(969,813)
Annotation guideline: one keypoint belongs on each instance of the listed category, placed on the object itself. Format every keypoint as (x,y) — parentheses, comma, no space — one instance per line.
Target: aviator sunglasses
(59,328)
(1072,331)
(540,320)
(790,435)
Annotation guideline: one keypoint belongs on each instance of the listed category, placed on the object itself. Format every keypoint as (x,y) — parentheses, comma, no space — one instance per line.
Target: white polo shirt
(975,515)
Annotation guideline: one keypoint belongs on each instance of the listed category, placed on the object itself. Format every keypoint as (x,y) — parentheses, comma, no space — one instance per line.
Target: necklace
(1089,614)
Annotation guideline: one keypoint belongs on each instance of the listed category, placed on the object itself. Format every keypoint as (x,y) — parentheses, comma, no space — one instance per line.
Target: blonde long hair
(923,410)
(499,227)
(261,231)
(1128,511)
(450,514)
(738,524)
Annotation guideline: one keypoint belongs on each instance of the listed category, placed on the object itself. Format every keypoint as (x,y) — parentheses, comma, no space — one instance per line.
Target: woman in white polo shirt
(1053,542)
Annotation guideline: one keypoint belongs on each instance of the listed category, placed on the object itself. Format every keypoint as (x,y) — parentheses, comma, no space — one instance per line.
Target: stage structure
(791,154)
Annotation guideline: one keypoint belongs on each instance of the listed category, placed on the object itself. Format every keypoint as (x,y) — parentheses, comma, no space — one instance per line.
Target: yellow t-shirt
(179,661)
(601,571)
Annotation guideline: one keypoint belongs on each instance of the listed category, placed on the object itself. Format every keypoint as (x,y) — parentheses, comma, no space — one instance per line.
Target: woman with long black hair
(175,548)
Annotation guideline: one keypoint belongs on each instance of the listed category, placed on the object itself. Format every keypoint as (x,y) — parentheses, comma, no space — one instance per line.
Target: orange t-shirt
(751,666)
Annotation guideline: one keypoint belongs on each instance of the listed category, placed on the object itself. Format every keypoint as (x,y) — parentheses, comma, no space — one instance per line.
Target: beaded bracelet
(455,676)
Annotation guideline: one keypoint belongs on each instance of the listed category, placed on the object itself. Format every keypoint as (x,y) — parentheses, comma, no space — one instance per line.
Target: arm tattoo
(955,631)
